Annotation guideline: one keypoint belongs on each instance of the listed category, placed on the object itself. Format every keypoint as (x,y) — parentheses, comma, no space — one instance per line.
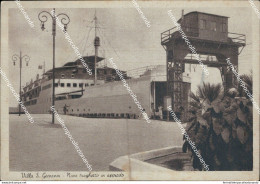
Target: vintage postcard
(130,90)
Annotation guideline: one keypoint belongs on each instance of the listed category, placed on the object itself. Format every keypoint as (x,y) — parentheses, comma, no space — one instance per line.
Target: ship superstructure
(71,80)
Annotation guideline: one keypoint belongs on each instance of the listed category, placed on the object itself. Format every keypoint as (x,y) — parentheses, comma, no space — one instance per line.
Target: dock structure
(208,35)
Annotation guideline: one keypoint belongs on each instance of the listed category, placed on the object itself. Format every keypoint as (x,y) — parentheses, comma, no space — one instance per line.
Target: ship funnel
(97,41)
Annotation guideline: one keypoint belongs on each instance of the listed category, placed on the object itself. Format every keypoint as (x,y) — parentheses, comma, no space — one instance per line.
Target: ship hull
(107,100)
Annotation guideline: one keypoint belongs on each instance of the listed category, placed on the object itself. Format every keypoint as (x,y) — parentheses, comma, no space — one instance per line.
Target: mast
(44,67)
(96,44)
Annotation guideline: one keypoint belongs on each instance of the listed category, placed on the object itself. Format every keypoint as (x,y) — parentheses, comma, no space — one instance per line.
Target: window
(72,75)
(69,85)
(56,84)
(202,24)
(213,26)
(92,84)
(62,76)
(80,85)
(86,84)
(61,84)
(223,28)
(75,85)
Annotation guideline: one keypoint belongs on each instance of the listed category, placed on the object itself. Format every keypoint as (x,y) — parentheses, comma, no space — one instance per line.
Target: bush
(222,129)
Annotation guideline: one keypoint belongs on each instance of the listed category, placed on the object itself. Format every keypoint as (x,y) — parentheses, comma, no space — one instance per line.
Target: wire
(109,44)
(75,57)
(86,41)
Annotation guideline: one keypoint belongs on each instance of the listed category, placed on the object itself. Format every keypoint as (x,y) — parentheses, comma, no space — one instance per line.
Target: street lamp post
(26,58)
(65,21)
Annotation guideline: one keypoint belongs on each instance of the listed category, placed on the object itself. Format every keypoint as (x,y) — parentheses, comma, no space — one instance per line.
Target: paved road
(42,146)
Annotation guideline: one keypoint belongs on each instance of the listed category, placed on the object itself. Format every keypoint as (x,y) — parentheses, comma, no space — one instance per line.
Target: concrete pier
(43,146)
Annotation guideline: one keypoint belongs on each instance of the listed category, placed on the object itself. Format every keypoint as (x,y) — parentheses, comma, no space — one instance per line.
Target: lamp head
(42,27)
(65,27)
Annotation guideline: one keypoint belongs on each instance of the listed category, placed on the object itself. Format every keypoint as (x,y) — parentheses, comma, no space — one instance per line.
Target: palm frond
(248,80)
(209,91)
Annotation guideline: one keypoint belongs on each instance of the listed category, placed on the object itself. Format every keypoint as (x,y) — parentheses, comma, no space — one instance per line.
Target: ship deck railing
(135,73)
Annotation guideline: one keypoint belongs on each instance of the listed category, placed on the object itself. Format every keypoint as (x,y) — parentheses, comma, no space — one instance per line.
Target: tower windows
(202,24)
(223,27)
(213,26)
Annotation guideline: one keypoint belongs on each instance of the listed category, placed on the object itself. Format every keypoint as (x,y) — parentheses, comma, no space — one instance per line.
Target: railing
(140,71)
(201,57)
(189,31)
(237,38)
(166,35)
(193,32)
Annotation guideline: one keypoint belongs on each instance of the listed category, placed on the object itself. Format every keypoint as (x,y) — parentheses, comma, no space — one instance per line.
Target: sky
(124,37)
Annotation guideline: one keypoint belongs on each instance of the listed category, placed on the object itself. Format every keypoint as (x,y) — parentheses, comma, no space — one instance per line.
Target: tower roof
(197,12)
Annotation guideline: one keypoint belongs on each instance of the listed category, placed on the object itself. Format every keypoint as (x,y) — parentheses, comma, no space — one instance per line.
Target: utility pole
(44,67)
(15,57)
(96,44)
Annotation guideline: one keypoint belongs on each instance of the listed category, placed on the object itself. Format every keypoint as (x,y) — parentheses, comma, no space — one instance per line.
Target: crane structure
(208,34)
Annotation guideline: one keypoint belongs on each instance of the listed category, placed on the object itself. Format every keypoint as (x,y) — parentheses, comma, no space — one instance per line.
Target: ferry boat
(77,93)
